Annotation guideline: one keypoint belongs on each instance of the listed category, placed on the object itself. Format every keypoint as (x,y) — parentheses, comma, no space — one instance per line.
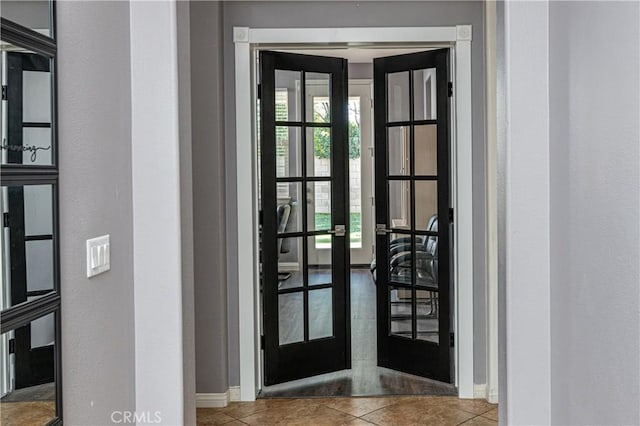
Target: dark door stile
(407,353)
(307,357)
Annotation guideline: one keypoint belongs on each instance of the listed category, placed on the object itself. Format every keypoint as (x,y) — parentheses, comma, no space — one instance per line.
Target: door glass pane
(35,15)
(427,261)
(427,310)
(426,153)
(39,265)
(318,151)
(424,94)
(355,173)
(27,242)
(291,317)
(320,313)
(318,90)
(36,95)
(398,156)
(426,202)
(398,96)
(27,111)
(290,263)
(37,137)
(29,387)
(288,210)
(38,210)
(288,152)
(400,203)
(400,262)
(318,206)
(320,271)
(400,312)
(288,99)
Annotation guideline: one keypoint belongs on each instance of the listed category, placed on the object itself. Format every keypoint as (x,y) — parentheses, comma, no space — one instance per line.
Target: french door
(28,213)
(411,103)
(304,210)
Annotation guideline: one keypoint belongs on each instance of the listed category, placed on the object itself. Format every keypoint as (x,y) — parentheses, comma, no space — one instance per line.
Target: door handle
(339,231)
(381,229)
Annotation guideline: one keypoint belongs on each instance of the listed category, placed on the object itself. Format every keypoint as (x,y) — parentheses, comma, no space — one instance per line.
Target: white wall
(572,212)
(594,74)
(527,213)
(124,139)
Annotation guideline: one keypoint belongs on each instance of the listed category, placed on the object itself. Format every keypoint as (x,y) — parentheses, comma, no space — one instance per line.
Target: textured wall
(355,14)
(95,199)
(595,199)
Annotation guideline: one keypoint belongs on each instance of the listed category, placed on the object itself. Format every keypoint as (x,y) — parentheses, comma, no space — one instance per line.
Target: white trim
(460,38)
(491,225)
(234,393)
(353,35)
(245,209)
(212,400)
(463,220)
(480,391)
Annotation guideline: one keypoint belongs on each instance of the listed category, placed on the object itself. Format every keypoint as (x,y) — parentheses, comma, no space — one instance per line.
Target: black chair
(426,258)
(400,269)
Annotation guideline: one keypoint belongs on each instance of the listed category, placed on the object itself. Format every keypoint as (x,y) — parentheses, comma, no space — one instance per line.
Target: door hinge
(4,92)
(450,89)
(260,218)
(259,91)
(452,340)
(12,346)
(450,214)
(5,220)
(262,341)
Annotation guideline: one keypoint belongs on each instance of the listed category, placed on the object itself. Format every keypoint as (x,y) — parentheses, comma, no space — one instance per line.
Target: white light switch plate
(98,255)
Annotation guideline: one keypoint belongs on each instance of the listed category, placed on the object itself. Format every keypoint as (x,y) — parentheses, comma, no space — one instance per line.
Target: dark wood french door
(304,215)
(413,229)
(30,247)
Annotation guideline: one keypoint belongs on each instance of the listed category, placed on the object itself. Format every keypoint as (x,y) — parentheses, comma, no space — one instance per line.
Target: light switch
(98,255)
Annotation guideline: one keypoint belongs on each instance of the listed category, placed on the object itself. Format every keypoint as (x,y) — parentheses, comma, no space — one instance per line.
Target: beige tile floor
(383,411)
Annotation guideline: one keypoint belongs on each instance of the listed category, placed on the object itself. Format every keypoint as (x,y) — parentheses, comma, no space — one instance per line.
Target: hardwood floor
(365,378)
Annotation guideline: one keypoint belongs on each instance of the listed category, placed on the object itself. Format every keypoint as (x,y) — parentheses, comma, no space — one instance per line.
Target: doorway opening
(247,42)
(300,113)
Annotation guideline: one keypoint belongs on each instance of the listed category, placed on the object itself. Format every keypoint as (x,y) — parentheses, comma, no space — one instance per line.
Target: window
(30,371)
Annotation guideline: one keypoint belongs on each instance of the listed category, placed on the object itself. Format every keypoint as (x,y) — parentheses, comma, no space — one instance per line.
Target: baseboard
(288,266)
(492,396)
(480,391)
(212,400)
(234,393)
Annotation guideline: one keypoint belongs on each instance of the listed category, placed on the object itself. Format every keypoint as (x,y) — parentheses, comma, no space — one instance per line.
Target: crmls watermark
(133,417)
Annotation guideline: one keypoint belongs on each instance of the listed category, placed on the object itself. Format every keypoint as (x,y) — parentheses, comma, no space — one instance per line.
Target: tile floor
(382,411)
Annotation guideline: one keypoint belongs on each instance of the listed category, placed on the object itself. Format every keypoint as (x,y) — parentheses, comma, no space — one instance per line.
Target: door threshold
(364,380)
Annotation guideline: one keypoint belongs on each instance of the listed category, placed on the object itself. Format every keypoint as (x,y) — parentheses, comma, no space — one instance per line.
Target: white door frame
(459,38)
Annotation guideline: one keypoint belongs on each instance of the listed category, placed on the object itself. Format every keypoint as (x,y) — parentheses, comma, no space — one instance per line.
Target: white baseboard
(492,396)
(212,400)
(480,391)
(288,266)
(234,393)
